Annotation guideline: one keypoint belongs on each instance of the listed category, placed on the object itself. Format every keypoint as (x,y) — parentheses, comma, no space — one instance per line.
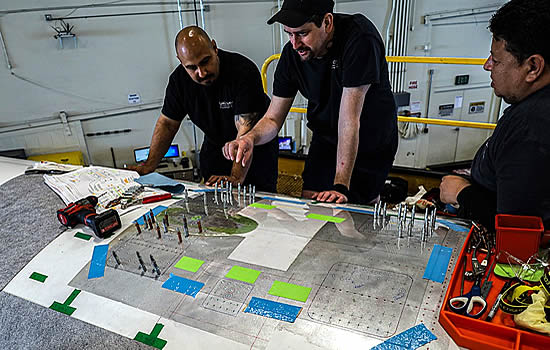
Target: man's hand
(325,196)
(450,187)
(222,178)
(239,150)
(331,196)
(141,169)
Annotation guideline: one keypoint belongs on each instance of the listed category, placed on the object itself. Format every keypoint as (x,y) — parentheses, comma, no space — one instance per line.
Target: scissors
(464,304)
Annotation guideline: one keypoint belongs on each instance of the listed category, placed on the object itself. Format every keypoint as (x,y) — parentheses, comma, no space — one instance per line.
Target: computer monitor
(141,154)
(285,143)
(173,152)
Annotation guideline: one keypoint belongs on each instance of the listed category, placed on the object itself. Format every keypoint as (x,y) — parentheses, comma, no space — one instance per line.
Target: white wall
(465,36)
(134,54)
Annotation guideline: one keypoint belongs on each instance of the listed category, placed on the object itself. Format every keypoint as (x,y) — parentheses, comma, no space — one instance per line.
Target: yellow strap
(522,289)
(514,300)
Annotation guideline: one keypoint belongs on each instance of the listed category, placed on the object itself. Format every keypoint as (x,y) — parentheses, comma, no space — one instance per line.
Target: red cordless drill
(83,212)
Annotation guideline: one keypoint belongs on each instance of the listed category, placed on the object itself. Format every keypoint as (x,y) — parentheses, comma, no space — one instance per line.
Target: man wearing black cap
(337,62)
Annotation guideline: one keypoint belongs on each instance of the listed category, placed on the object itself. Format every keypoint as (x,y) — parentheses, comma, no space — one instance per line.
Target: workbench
(366,283)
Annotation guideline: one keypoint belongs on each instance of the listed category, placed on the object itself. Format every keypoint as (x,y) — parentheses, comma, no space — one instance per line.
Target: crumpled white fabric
(408,130)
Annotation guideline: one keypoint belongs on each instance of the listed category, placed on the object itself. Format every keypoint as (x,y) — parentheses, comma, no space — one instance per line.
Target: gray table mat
(28,223)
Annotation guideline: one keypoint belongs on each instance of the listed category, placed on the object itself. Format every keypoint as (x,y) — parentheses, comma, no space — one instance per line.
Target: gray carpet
(28,223)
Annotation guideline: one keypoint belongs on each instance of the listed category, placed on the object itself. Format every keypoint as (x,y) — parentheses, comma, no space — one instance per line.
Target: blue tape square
(355,210)
(156,211)
(183,285)
(412,338)
(454,226)
(99,258)
(273,309)
(438,263)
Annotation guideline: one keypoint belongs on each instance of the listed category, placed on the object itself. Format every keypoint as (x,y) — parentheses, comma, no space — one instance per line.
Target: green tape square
(328,218)
(38,277)
(82,236)
(243,274)
(189,264)
(290,291)
(262,206)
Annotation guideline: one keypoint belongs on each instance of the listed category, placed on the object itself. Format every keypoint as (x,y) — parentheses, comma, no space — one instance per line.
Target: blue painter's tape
(283,200)
(454,226)
(156,211)
(273,309)
(355,210)
(183,285)
(438,263)
(412,338)
(99,258)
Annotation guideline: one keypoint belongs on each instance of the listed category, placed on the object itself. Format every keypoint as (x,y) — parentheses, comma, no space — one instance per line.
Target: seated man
(510,171)
(222,94)
(337,62)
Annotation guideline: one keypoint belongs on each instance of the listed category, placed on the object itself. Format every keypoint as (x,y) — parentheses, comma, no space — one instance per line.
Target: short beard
(510,99)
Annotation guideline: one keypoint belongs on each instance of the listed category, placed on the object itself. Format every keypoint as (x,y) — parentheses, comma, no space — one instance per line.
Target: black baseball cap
(295,13)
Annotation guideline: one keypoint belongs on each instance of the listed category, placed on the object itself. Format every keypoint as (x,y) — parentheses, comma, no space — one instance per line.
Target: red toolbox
(500,333)
(518,235)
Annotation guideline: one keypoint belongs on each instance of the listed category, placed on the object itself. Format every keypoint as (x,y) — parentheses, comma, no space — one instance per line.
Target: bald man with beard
(222,93)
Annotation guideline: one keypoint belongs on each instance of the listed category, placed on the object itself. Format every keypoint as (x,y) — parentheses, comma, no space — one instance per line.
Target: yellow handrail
(264,69)
(437,60)
(457,123)
(445,122)
(407,59)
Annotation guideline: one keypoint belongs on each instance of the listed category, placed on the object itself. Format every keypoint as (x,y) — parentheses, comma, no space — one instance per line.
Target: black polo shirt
(510,170)
(237,90)
(356,58)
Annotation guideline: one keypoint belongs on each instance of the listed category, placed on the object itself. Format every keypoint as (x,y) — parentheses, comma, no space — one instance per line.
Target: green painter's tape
(152,339)
(189,264)
(290,291)
(38,277)
(64,309)
(82,236)
(262,206)
(325,218)
(72,297)
(243,274)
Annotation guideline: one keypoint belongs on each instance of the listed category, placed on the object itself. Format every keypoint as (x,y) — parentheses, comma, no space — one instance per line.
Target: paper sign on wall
(416,107)
(134,99)
(458,101)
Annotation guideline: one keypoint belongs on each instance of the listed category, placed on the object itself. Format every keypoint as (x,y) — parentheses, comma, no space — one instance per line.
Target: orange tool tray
(500,333)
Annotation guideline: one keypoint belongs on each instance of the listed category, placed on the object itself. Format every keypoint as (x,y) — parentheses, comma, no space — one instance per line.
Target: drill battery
(83,212)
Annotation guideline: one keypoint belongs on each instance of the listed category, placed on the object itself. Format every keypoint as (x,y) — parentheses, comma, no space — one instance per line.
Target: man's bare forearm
(164,133)
(270,124)
(264,131)
(348,144)
(241,149)
(348,133)
(244,123)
